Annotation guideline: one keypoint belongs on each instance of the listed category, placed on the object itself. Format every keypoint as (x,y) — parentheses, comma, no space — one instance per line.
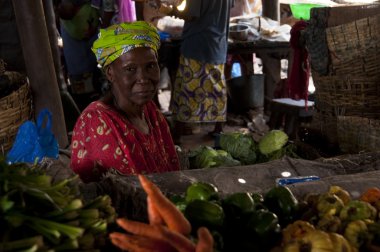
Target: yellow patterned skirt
(199,92)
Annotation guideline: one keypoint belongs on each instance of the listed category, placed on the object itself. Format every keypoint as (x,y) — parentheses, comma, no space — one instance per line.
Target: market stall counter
(352,172)
(267,40)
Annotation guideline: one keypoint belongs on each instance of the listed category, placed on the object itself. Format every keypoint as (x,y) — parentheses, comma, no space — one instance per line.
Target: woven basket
(349,92)
(348,41)
(356,134)
(366,65)
(14,110)
(326,124)
(2,67)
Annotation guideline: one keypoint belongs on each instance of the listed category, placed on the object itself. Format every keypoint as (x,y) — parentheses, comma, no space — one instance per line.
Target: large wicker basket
(344,96)
(348,91)
(326,124)
(2,66)
(350,88)
(358,134)
(348,41)
(365,65)
(15,109)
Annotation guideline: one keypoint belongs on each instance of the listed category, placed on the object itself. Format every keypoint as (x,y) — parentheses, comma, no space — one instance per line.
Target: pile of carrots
(168,229)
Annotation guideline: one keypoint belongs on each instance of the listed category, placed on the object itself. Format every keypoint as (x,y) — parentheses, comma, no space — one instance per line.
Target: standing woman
(125,131)
(200,89)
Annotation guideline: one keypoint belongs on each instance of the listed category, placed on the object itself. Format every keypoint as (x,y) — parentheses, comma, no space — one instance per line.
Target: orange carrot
(205,240)
(139,243)
(153,214)
(168,211)
(156,232)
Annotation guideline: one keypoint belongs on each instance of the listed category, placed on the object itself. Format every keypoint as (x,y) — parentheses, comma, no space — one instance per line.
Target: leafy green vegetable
(225,159)
(202,157)
(241,146)
(288,150)
(38,214)
(207,157)
(273,141)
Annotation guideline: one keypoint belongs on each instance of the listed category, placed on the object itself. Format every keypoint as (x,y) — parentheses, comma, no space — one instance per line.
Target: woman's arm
(95,148)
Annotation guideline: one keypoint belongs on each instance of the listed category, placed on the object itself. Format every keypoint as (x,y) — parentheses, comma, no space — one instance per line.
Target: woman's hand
(168,229)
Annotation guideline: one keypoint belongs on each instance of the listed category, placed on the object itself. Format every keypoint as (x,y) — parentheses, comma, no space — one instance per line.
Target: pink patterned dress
(104,139)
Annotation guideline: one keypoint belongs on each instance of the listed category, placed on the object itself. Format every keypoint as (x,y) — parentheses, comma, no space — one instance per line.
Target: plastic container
(246,92)
(302,10)
(164,36)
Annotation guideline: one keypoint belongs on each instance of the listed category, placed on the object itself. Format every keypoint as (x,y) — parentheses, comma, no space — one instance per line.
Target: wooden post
(70,109)
(53,38)
(31,25)
(271,9)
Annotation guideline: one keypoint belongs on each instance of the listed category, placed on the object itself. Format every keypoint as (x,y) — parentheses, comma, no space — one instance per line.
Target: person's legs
(218,129)
(199,95)
(177,132)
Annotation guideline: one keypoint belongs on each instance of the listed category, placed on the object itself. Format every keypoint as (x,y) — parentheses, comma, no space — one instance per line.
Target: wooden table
(270,52)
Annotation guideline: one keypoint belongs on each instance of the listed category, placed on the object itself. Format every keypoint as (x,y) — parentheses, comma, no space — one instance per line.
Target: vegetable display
(240,149)
(240,146)
(282,202)
(39,215)
(168,229)
(277,221)
(273,141)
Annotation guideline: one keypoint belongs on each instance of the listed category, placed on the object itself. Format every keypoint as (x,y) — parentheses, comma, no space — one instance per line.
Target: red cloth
(299,76)
(104,139)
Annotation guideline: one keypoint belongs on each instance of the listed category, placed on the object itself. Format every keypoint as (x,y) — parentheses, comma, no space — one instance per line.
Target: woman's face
(134,77)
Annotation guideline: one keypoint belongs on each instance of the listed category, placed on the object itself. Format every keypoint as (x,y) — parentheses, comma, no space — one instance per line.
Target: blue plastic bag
(34,142)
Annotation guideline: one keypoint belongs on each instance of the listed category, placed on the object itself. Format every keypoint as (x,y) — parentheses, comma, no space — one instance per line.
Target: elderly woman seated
(124,130)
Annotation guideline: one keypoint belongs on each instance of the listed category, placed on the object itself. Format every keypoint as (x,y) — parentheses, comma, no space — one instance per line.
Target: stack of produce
(238,148)
(167,230)
(38,215)
(277,221)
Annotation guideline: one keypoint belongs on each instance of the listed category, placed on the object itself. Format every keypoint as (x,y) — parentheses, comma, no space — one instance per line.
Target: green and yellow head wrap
(118,39)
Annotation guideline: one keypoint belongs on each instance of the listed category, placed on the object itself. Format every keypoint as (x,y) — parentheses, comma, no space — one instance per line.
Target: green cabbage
(207,157)
(273,141)
(225,159)
(202,157)
(241,146)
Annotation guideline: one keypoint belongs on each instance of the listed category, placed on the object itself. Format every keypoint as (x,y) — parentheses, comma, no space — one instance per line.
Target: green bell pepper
(236,204)
(264,227)
(281,201)
(201,191)
(204,213)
